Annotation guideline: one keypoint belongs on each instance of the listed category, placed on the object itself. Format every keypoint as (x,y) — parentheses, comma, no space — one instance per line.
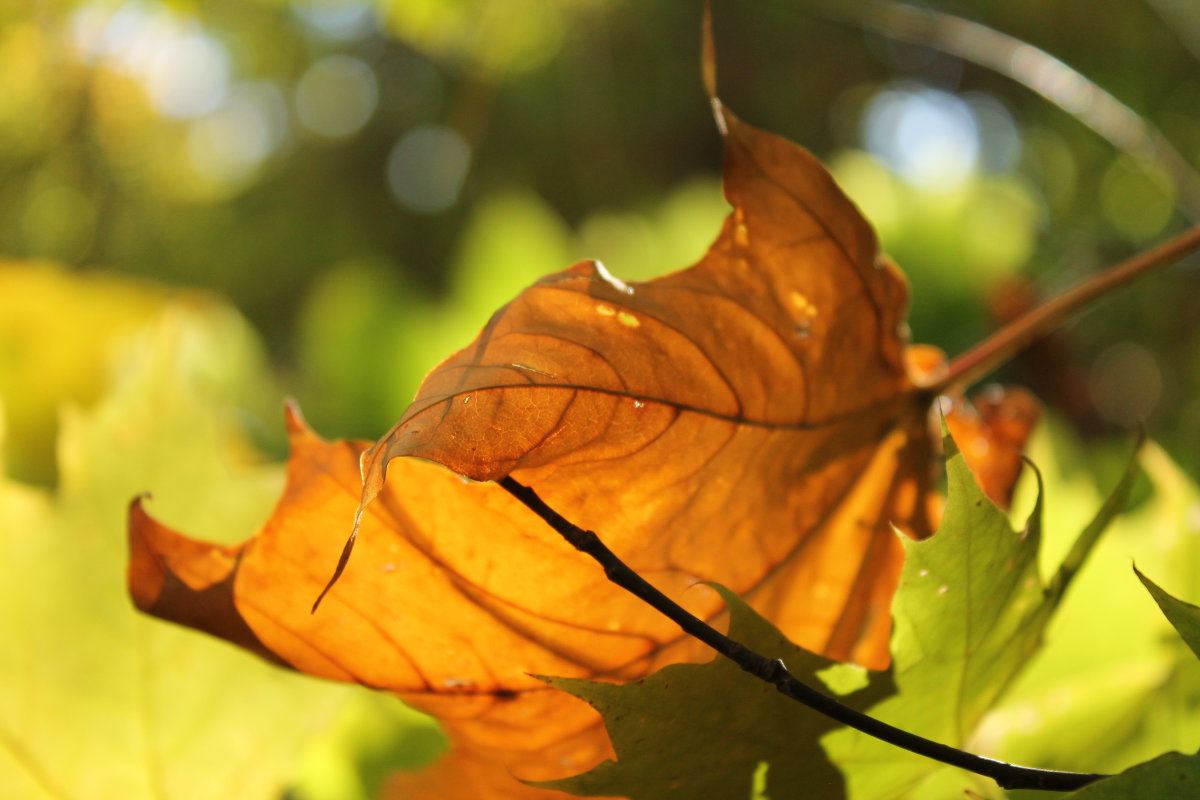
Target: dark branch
(773,671)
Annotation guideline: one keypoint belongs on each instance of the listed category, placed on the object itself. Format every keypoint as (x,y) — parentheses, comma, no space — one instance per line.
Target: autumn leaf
(991,432)
(442,619)
(757,403)
(970,612)
(756,420)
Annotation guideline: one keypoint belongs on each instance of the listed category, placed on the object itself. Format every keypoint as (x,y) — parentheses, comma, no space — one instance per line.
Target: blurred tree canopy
(367,180)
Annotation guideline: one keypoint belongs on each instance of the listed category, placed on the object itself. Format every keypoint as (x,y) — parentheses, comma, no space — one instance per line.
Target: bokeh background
(354,186)
(366,181)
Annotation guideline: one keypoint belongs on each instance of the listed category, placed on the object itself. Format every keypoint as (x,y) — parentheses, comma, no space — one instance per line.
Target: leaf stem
(1018,334)
(773,671)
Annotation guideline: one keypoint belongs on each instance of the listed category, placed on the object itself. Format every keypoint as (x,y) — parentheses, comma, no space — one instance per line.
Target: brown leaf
(457,593)
(748,421)
(457,589)
(539,735)
(991,432)
(751,420)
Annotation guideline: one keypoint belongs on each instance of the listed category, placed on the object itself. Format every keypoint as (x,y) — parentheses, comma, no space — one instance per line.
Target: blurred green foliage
(97,700)
(367,180)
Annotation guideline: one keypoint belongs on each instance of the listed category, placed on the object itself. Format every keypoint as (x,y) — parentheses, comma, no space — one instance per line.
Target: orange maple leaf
(755,420)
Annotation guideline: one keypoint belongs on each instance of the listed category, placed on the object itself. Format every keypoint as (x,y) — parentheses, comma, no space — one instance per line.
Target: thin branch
(1018,334)
(1034,68)
(773,671)
(1180,18)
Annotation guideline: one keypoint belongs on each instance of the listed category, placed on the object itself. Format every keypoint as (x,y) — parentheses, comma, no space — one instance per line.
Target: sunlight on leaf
(440,619)
(1113,685)
(706,410)
(96,700)
(762,403)
(970,612)
(1171,776)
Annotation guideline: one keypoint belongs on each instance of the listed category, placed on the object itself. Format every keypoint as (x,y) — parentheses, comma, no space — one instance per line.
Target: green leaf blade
(707,730)
(96,700)
(1171,776)
(1183,616)
(970,612)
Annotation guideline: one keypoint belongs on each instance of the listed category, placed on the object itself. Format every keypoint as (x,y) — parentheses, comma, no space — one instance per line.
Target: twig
(1030,66)
(773,671)
(1015,336)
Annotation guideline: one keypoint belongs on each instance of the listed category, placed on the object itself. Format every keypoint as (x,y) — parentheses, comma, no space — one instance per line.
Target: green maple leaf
(969,613)
(1114,685)
(1171,776)
(709,730)
(97,701)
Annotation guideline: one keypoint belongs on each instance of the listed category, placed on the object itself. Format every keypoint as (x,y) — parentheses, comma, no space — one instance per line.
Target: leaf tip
(146,573)
(293,418)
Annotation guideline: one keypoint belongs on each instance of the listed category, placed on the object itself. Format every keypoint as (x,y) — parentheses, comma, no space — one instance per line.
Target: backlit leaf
(1113,686)
(1185,617)
(1171,776)
(755,420)
(970,612)
(757,403)
(96,701)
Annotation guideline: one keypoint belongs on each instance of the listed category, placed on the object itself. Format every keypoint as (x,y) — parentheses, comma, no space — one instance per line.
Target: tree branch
(773,671)
(1018,334)
(1031,67)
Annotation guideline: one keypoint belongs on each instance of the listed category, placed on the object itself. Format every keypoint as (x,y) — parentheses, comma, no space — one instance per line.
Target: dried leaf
(752,421)
(450,620)
(757,404)
(991,433)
